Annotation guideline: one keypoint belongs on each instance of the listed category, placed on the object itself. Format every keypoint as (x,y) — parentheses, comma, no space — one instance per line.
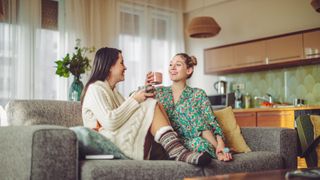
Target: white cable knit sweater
(125,122)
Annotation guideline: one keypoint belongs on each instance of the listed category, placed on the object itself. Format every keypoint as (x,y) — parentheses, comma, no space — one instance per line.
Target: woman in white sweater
(128,122)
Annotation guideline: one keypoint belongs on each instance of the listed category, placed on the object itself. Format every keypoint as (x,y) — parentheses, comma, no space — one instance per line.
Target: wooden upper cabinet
(250,54)
(218,59)
(298,48)
(275,119)
(311,43)
(284,49)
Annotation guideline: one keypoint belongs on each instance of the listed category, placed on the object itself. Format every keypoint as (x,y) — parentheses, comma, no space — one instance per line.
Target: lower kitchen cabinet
(275,119)
(246,119)
(283,119)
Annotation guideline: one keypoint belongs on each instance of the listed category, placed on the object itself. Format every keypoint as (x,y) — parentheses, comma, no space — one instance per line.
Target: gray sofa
(39,145)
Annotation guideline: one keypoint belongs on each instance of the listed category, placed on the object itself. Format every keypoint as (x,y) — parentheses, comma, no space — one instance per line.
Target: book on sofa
(100,156)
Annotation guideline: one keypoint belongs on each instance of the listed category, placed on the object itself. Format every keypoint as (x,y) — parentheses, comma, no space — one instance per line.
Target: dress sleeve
(100,104)
(207,114)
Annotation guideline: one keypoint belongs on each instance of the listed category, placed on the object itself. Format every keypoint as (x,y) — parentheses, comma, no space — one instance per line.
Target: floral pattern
(191,115)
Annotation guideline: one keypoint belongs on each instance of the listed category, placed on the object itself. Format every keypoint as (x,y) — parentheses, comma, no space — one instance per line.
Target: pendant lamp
(203,27)
(316,5)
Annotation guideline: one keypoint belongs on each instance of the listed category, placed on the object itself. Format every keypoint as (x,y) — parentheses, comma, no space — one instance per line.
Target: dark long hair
(103,60)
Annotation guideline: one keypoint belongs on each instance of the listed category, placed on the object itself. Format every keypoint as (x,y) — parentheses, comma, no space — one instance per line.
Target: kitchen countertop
(282,108)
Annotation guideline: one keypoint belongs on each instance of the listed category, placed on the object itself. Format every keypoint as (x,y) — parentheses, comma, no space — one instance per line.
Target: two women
(189,110)
(129,122)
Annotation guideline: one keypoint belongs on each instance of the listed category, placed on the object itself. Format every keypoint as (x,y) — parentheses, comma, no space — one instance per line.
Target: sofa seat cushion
(134,169)
(246,162)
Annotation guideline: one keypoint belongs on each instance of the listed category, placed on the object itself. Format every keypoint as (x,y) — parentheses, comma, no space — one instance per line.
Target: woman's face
(118,69)
(178,69)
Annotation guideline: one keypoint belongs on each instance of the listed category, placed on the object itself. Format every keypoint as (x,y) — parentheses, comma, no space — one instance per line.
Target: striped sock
(176,150)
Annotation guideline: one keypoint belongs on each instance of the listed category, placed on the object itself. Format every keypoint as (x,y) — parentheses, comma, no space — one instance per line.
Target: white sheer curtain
(94,22)
(150,33)
(27,53)
(8,43)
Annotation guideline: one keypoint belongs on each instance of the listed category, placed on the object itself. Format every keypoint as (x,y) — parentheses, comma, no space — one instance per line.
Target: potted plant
(76,64)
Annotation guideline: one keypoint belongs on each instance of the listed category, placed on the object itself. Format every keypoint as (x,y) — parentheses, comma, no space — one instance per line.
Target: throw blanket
(124,122)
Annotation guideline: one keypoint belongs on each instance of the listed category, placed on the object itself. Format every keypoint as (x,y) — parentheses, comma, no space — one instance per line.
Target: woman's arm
(214,135)
(207,134)
(100,104)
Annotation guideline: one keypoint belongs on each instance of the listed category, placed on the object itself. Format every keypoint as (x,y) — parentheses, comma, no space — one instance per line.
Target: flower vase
(75,89)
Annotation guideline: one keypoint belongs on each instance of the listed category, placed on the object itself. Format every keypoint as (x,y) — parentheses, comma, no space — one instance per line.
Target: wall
(243,20)
(283,84)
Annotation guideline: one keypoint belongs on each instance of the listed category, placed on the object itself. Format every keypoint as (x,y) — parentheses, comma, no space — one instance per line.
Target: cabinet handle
(253,62)
(245,115)
(289,57)
(275,114)
(315,54)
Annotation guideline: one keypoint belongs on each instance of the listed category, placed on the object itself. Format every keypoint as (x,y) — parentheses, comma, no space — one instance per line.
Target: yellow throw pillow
(231,130)
(316,131)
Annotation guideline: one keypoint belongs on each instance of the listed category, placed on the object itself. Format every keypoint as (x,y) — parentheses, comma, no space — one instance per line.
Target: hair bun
(193,60)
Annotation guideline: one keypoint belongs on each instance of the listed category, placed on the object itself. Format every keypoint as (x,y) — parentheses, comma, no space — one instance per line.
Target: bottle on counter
(247,101)
(238,98)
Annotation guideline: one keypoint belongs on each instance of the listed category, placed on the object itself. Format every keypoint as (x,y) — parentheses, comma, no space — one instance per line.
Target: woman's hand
(141,95)
(221,154)
(149,78)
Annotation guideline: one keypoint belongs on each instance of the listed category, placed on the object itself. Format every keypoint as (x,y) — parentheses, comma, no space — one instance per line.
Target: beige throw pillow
(316,131)
(231,130)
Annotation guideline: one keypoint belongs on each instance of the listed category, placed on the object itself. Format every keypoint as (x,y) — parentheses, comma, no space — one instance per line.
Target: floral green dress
(190,116)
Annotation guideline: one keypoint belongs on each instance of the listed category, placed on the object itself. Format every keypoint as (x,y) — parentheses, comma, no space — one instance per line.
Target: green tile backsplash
(283,84)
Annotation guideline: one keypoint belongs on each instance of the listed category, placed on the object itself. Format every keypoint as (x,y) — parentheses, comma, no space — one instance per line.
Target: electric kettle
(220,87)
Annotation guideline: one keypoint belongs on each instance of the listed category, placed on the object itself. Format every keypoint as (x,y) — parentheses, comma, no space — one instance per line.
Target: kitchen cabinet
(294,49)
(275,119)
(311,42)
(250,54)
(218,59)
(286,48)
(246,119)
(272,118)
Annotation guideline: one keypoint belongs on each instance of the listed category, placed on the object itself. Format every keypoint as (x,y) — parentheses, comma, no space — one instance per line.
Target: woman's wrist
(220,140)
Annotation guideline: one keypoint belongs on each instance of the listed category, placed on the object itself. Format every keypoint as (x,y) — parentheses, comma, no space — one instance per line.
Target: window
(28,50)
(45,80)
(145,39)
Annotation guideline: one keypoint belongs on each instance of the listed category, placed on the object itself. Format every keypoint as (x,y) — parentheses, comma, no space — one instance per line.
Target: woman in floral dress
(189,110)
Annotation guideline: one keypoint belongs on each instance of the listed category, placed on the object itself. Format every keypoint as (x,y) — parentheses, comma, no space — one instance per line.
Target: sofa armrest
(38,152)
(279,140)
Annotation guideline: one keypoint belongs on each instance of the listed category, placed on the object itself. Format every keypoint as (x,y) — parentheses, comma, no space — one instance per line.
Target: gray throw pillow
(93,143)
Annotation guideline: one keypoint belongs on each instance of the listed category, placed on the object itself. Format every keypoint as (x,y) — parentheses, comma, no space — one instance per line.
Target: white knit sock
(161,131)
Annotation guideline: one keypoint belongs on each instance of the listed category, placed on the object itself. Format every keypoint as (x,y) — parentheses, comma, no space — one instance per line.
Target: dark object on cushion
(158,152)
(307,142)
(93,143)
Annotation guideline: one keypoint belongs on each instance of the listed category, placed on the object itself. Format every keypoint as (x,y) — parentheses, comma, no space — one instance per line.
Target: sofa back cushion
(231,130)
(33,112)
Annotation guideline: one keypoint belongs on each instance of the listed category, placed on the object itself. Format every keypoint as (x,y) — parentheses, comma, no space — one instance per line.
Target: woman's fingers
(228,157)
(220,157)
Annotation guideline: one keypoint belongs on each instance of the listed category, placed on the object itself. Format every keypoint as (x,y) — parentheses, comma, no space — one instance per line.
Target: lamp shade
(316,5)
(203,27)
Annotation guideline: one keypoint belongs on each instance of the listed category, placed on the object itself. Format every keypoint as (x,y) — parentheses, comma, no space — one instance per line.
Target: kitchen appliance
(220,87)
(222,100)
(298,102)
